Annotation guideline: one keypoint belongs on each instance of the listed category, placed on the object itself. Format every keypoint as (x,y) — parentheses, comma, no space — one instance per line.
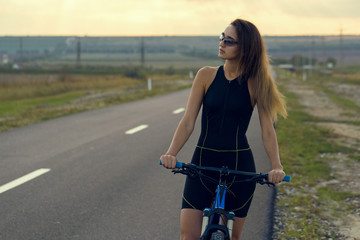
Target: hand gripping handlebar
(181,164)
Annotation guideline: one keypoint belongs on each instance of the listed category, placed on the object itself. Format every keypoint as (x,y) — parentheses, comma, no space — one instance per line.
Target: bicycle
(212,229)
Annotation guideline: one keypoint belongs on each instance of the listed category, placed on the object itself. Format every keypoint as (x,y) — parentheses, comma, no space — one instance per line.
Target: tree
(331,60)
(297,60)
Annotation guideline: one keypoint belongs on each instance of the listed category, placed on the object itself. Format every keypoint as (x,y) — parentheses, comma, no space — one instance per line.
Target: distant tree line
(298,60)
(285,49)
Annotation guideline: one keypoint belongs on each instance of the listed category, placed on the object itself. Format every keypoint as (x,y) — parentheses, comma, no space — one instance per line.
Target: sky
(175,17)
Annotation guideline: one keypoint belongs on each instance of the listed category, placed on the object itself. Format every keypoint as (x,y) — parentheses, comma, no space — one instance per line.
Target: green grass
(328,193)
(11,107)
(33,101)
(152,60)
(355,157)
(335,97)
(301,144)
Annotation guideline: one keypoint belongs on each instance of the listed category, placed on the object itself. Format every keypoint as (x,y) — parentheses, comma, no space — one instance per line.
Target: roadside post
(149,84)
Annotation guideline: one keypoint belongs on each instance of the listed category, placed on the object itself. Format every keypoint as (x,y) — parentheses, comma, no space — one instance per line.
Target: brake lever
(189,172)
(182,171)
(262,182)
(270,183)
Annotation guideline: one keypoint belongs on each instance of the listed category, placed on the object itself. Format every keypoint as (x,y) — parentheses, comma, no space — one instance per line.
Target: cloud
(175,17)
(320,8)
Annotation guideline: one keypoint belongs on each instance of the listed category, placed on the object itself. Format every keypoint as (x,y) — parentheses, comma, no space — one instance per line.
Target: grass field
(152,60)
(319,201)
(28,100)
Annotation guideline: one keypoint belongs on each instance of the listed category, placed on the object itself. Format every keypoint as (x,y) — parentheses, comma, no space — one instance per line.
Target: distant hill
(319,47)
(279,47)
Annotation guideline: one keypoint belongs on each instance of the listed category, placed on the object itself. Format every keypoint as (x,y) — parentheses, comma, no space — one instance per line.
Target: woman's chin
(221,56)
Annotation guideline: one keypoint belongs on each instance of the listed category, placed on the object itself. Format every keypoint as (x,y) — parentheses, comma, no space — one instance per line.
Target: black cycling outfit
(226,114)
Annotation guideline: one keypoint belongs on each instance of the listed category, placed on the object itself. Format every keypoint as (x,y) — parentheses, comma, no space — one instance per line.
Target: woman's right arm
(187,123)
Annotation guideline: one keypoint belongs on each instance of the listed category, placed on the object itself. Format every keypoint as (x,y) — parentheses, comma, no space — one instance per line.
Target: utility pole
(21,50)
(303,68)
(311,57)
(341,54)
(323,54)
(78,50)
(142,50)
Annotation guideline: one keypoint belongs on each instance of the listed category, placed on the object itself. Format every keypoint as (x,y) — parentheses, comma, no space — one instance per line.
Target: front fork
(205,222)
(230,223)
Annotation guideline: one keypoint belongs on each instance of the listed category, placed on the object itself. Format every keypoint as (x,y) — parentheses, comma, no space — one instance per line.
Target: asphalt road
(97,182)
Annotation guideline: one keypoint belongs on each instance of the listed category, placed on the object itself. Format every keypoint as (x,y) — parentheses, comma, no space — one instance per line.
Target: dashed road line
(137,129)
(179,110)
(142,127)
(23,179)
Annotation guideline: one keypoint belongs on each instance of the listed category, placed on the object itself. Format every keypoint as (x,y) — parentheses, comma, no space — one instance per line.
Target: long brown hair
(254,65)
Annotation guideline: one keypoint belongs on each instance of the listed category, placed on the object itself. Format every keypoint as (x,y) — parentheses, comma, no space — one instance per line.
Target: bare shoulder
(206,75)
(208,71)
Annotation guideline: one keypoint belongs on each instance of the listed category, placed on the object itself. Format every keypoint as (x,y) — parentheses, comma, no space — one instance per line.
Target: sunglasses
(228,41)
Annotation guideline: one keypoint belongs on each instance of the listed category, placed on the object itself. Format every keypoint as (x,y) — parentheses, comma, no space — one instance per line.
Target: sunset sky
(176,17)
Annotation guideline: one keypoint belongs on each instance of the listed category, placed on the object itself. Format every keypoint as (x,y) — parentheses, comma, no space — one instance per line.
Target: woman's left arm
(269,138)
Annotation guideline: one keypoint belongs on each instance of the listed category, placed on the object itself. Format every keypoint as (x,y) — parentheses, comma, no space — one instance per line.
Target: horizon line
(167,35)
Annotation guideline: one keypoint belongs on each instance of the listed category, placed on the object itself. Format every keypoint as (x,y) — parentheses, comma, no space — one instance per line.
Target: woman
(228,94)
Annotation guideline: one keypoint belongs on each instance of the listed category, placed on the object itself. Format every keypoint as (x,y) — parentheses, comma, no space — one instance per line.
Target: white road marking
(179,110)
(137,129)
(23,179)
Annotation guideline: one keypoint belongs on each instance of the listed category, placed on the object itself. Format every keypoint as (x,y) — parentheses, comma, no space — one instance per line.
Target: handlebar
(184,165)
(178,164)
(286,178)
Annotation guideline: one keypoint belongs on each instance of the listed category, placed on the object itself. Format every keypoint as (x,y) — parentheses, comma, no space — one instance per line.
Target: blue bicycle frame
(212,216)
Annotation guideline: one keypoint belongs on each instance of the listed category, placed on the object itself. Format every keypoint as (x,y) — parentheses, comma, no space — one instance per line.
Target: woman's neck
(231,69)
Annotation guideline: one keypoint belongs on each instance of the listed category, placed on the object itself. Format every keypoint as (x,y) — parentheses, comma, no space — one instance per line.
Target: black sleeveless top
(226,114)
